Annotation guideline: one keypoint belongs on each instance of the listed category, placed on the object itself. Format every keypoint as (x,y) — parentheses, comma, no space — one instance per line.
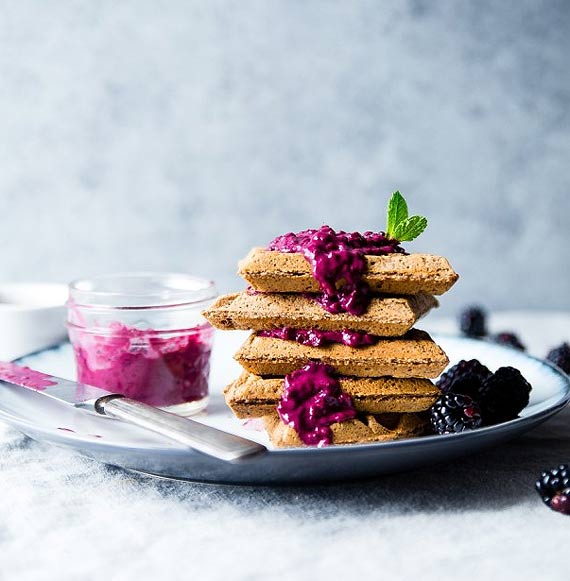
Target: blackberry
(510,340)
(503,395)
(561,502)
(465,378)
(453,413)
(560,356)
(472,322)
(553,486)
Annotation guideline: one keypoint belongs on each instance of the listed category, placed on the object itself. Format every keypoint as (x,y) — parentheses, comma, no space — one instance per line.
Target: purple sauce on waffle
(311,401)
(338,264)
(318,338)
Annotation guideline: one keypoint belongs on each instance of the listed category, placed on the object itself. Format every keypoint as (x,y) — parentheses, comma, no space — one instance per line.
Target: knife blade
(200,437)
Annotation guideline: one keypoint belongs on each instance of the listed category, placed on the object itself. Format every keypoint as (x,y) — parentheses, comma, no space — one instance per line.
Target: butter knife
(197,436)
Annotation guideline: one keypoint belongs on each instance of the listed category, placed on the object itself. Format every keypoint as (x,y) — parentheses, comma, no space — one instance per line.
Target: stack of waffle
(388,381)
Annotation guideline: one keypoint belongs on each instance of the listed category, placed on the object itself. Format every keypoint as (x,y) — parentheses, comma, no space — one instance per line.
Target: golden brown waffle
(366,428)
(252,396)
(399,274)
(386,317)
(413,355)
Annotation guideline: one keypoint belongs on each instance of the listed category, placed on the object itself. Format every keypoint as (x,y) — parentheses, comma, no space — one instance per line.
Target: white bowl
(32,317)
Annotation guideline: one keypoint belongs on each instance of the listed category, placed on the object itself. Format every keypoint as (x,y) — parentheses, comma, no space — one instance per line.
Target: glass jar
(143,335)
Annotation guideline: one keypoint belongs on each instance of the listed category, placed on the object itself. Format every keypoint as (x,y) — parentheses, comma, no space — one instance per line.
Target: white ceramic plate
(113,442)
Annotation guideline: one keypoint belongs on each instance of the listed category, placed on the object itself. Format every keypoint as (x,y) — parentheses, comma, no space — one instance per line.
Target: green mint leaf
(397,213)
(410,228)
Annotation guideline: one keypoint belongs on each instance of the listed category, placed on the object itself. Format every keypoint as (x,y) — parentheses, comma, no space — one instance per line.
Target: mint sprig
(400,226)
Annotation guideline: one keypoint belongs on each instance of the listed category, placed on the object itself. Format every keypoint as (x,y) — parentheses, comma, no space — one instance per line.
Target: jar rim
(141,290)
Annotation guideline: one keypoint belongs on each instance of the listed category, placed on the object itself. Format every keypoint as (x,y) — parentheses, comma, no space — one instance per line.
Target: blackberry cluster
(509,340)
(453,413)
(472,322)
(560,356)
(465,378)
(473,396)
(554,488)
(504,395)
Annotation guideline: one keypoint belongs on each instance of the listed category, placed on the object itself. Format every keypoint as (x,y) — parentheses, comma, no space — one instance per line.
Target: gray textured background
(175,135)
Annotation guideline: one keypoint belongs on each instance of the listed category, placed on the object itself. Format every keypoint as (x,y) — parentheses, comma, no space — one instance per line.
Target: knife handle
(200,437)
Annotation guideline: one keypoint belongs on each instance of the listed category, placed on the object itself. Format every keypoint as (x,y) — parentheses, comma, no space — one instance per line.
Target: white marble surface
(65,517)
(176,135)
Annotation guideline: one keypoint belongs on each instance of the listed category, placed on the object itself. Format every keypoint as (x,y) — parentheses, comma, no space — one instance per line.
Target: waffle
(365,428)
(413,355)
(400,274)
(386,317)
(252,396)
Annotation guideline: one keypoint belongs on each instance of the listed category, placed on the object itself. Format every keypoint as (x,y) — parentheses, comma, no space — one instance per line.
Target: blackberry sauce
(26,377)
(311,401)
(158,368)
(338,264)
(317,338)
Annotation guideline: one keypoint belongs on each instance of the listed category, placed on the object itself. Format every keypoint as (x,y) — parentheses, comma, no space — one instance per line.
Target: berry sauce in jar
(143,336)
